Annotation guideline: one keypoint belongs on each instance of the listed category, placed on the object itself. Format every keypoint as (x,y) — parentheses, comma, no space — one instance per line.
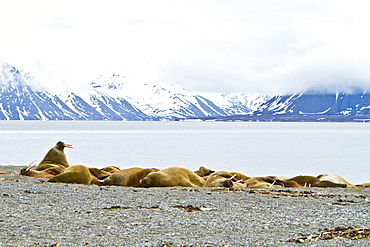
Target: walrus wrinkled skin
(310,181)
(171,177)
(336,179)
(76,174)
(219,179)
(55,157)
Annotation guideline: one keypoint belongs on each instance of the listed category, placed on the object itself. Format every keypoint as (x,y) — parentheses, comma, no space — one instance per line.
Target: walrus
(239,176)
(172,176)
(55,157)
(364,185)
(262,182)
(291,184)
(310,181)
(219,179)
(203,171)
(76,174)
(46,173)
(336,179)
(135,178)
(98,174)
(111,169)
(120,177)
(279,177)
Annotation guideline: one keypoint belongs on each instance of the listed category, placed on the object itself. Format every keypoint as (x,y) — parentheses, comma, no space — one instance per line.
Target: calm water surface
(255,149)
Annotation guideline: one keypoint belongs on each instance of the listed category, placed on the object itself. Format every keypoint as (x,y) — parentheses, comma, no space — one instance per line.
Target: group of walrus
(56,168)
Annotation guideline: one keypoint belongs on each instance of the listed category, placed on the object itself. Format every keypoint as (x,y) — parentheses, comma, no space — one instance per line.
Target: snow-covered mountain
(23,98)
(355,103)
(136,98)
(114,97)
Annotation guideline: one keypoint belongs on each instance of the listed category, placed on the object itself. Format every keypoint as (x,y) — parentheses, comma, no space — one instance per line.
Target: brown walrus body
(239,176)
(76,174)
(135,178)
(262,182)
(172,176)
(120,177)
(203,171)
(111,169)
(219,179)
(55,157)
(97,174)
(310,181)
(336,179)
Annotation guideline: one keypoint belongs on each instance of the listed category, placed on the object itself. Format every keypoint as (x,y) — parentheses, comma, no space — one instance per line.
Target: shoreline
(36,213)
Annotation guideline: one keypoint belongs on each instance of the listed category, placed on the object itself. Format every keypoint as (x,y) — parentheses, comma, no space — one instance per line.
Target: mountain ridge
(119,97)
(116,97)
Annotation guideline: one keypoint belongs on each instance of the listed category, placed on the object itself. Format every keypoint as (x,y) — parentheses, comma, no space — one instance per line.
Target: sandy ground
(36,213)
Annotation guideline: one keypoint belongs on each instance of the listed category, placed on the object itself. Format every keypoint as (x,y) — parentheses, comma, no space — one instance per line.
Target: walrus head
(61,145)
(26,169)
(145,182)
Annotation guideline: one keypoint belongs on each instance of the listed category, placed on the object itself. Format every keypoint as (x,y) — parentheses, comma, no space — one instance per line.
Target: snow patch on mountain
(157,98)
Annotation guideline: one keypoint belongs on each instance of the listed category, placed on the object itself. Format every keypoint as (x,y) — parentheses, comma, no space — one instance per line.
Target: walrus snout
(228,183)
(106,181)
(25,171)
(145,183)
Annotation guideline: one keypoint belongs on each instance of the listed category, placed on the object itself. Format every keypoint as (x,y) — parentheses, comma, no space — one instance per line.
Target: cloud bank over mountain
(258,46)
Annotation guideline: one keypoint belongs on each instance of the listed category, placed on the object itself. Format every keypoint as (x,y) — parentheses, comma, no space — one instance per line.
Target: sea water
(253,148)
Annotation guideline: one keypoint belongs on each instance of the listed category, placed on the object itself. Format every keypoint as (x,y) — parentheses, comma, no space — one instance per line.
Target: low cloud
(258,46)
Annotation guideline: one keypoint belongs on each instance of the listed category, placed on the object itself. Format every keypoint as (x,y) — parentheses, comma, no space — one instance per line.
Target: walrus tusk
(272,184)
(31,165)
(233,178)
(68,146)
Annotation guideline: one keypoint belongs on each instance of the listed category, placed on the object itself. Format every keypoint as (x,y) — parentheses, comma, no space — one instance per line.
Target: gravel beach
(36,213)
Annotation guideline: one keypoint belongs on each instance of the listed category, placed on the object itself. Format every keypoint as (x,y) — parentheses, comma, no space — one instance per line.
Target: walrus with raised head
(76,174)
(55,157)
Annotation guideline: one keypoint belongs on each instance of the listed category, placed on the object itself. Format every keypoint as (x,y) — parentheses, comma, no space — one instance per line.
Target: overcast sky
(246,46)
